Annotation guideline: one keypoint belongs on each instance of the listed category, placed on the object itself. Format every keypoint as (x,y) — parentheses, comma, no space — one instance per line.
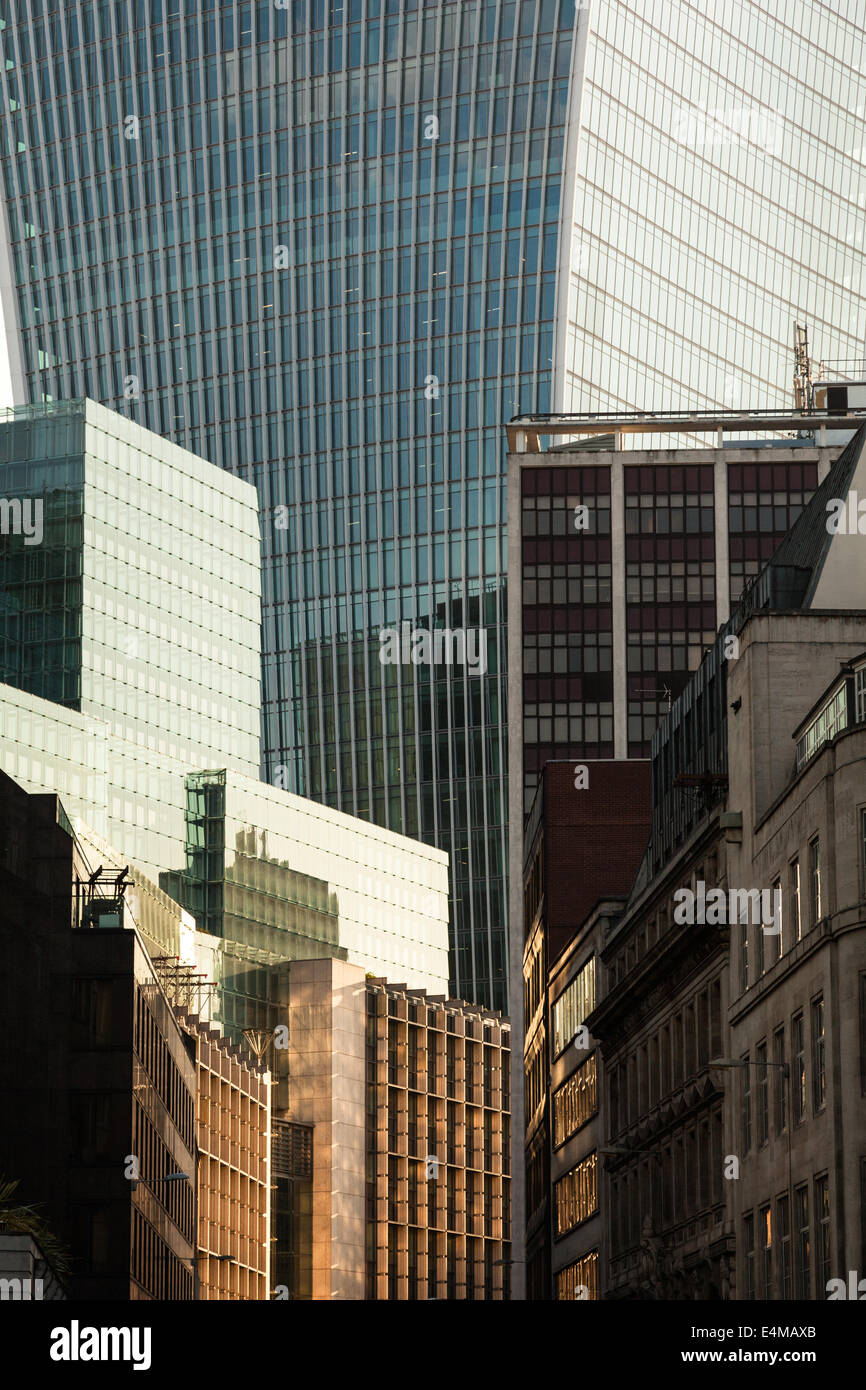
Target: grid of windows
(437,1151)
(764,501)
(781,1265)
(677,191)
(567,623)
(670,587)
(321,252)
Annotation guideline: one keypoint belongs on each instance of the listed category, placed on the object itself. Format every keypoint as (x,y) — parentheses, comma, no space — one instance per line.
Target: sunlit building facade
(332,247)
(715,186)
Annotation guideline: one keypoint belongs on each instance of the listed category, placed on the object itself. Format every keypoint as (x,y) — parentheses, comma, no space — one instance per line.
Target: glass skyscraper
(333,247)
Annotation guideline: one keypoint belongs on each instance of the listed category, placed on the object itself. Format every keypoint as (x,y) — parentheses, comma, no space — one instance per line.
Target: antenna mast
(803,399)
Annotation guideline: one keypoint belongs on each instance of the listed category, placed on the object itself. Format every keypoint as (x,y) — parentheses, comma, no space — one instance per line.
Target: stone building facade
(408,1098)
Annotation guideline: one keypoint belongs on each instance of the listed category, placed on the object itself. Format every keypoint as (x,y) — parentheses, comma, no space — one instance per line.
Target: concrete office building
(333,249)
(408,1098)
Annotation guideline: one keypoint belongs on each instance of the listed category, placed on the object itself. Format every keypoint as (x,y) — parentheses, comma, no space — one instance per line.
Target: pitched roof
(790,578)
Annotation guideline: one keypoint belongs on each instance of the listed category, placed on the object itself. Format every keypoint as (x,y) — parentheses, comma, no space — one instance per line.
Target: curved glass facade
(318,242)
(719,196)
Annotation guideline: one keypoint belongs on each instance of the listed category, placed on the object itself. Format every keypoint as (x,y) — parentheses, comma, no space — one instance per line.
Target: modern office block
(140,603)
(233,1133)
(711,196)
(333,249)
(265,876)
(292,1210)
(271,872)
(408,1098)
(131,795)
(623,565)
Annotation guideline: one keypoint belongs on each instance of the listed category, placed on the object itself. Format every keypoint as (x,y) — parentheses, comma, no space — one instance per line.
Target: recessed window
(819,1076)
(798,1078)
(796,929)
(815,879)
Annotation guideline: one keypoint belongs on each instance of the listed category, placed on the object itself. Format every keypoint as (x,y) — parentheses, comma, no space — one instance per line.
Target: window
(766,1229)
(578,1280)
(783,1237)
(804,1249)
(860,695)
(749,1256)
(760,962)
(822,1232)
(91,1013)
(824,726)
(815,879)
(774,933)
(796,924)
(798,1048)
(744,957)
(574,1102)
(763,1121)
(819,1076)
(577,1195)
(747,1104)
(781,1080)
(573,1006)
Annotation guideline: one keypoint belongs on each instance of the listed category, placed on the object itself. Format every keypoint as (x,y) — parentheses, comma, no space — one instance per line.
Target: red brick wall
(595,838)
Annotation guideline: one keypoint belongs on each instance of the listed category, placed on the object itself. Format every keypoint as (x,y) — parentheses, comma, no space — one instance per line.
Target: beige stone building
(796,1117)
(408,1099)
(731,1018)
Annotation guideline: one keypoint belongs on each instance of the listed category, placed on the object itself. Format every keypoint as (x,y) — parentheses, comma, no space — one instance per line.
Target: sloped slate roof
(790,578)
